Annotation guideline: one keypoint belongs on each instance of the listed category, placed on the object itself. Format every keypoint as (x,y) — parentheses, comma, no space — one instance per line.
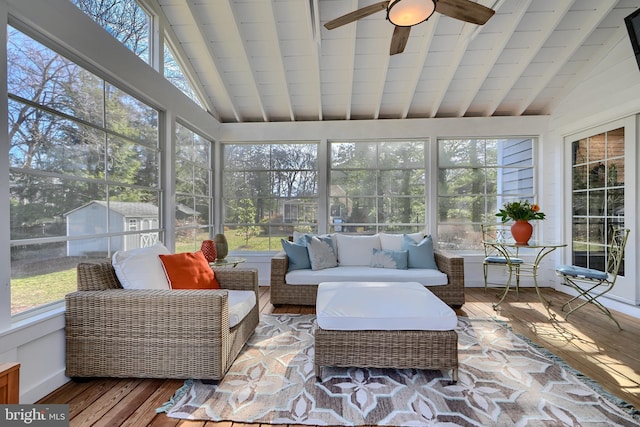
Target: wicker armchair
(283,293)
(113,332)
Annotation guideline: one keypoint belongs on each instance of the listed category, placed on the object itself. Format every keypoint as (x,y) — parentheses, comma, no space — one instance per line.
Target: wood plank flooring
(589,342)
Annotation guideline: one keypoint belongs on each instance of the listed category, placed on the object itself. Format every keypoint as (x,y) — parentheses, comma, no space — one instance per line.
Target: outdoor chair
(494,257)
(590,283)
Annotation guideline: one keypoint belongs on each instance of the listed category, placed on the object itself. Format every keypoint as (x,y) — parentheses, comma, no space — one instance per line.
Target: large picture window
(269,190)
(598,170)
(475,178)
(377,186)
(84,165)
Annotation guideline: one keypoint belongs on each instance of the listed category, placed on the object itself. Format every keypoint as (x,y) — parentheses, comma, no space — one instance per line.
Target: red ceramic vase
(521,232)
(209,251)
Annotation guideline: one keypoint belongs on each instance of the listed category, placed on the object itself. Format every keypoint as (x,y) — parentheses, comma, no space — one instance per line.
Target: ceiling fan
(406,13)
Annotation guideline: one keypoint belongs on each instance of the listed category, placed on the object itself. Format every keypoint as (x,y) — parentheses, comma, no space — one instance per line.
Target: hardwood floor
(589,342)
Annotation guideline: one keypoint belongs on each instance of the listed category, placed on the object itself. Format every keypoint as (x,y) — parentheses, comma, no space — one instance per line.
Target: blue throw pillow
(298,255)
(301,238)
(387,258)
(420,254)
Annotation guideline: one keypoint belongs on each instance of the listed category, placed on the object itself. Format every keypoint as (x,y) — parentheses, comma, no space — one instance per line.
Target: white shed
(99,217)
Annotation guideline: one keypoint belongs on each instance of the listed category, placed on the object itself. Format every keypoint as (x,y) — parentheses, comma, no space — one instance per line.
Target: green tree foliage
(379,182)
(245,213)
(268,174)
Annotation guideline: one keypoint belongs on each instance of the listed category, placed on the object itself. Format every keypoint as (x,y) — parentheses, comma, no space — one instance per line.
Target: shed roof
(126,209)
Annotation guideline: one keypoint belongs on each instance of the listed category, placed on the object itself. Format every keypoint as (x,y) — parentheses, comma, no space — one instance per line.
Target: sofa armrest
(96,276)
(148,314)
(279,267)
(239,279)
(452,265)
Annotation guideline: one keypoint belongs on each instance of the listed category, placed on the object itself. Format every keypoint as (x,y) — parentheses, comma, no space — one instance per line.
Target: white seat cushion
(240,304)
(354,306)
(423,276)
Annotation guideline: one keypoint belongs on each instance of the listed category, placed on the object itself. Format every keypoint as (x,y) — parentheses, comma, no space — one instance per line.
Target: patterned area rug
(504,381)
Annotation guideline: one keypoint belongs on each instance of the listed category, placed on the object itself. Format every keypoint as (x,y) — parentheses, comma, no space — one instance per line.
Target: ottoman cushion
(384,306)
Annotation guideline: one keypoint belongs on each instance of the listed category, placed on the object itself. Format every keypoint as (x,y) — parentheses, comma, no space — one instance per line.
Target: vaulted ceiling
(273,60)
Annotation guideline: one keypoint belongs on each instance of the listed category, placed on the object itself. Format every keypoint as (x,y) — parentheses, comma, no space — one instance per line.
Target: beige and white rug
(504,381)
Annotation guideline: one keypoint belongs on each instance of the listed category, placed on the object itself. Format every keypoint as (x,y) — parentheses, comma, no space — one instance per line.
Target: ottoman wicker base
(384,325)
(387,349)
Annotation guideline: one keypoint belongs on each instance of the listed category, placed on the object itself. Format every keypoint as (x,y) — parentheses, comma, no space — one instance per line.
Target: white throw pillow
(356,250)
(393,242)
(141,268)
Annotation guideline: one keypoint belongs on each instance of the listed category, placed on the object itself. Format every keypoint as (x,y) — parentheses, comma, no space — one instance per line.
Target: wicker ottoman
(384,325)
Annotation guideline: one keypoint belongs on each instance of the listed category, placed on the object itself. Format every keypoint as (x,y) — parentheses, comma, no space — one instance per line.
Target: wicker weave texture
(283,293)
(113,332)
(386,349)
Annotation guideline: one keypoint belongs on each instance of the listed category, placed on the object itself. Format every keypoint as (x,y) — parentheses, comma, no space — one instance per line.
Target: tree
(245,215)
(123,19)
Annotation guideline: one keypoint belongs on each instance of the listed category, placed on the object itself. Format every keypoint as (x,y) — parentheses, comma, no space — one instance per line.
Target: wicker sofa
(113,332)
(304,294)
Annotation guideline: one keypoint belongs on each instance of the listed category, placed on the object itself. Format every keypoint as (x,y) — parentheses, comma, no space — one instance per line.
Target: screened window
(173,72)
(475,178)
(123,19)
(193,216)
(377,186)
(84,165)
(269,190)
(131,25)
(598,168)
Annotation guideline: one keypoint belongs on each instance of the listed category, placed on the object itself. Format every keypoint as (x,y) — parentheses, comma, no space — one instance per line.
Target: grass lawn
(29,292)
(42,284)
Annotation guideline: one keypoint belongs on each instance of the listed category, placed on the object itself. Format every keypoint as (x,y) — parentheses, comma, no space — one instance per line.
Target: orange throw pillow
(189,271)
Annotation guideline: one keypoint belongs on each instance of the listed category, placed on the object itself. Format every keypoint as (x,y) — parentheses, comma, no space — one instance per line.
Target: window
(131,25)
(173,73)
(269,190)
(123,19)
(84,162)
(598,170)
(475,178)
(377,186)
(193,217)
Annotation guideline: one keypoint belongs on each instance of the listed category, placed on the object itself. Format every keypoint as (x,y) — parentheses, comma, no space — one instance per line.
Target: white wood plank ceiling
(270,61)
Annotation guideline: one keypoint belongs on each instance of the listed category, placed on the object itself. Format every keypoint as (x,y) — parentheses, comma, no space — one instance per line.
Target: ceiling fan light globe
(406,13)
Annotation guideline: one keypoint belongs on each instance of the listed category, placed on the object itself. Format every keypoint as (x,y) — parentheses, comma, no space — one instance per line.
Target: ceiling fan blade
(399,39)
(356,14)
(465,10)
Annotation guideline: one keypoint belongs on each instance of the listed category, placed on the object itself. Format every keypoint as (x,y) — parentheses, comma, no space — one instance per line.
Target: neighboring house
(186,215)
(94,218)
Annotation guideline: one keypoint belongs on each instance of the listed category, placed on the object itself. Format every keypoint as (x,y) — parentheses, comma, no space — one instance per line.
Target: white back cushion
(393,242)
(141,268)
(356,250)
